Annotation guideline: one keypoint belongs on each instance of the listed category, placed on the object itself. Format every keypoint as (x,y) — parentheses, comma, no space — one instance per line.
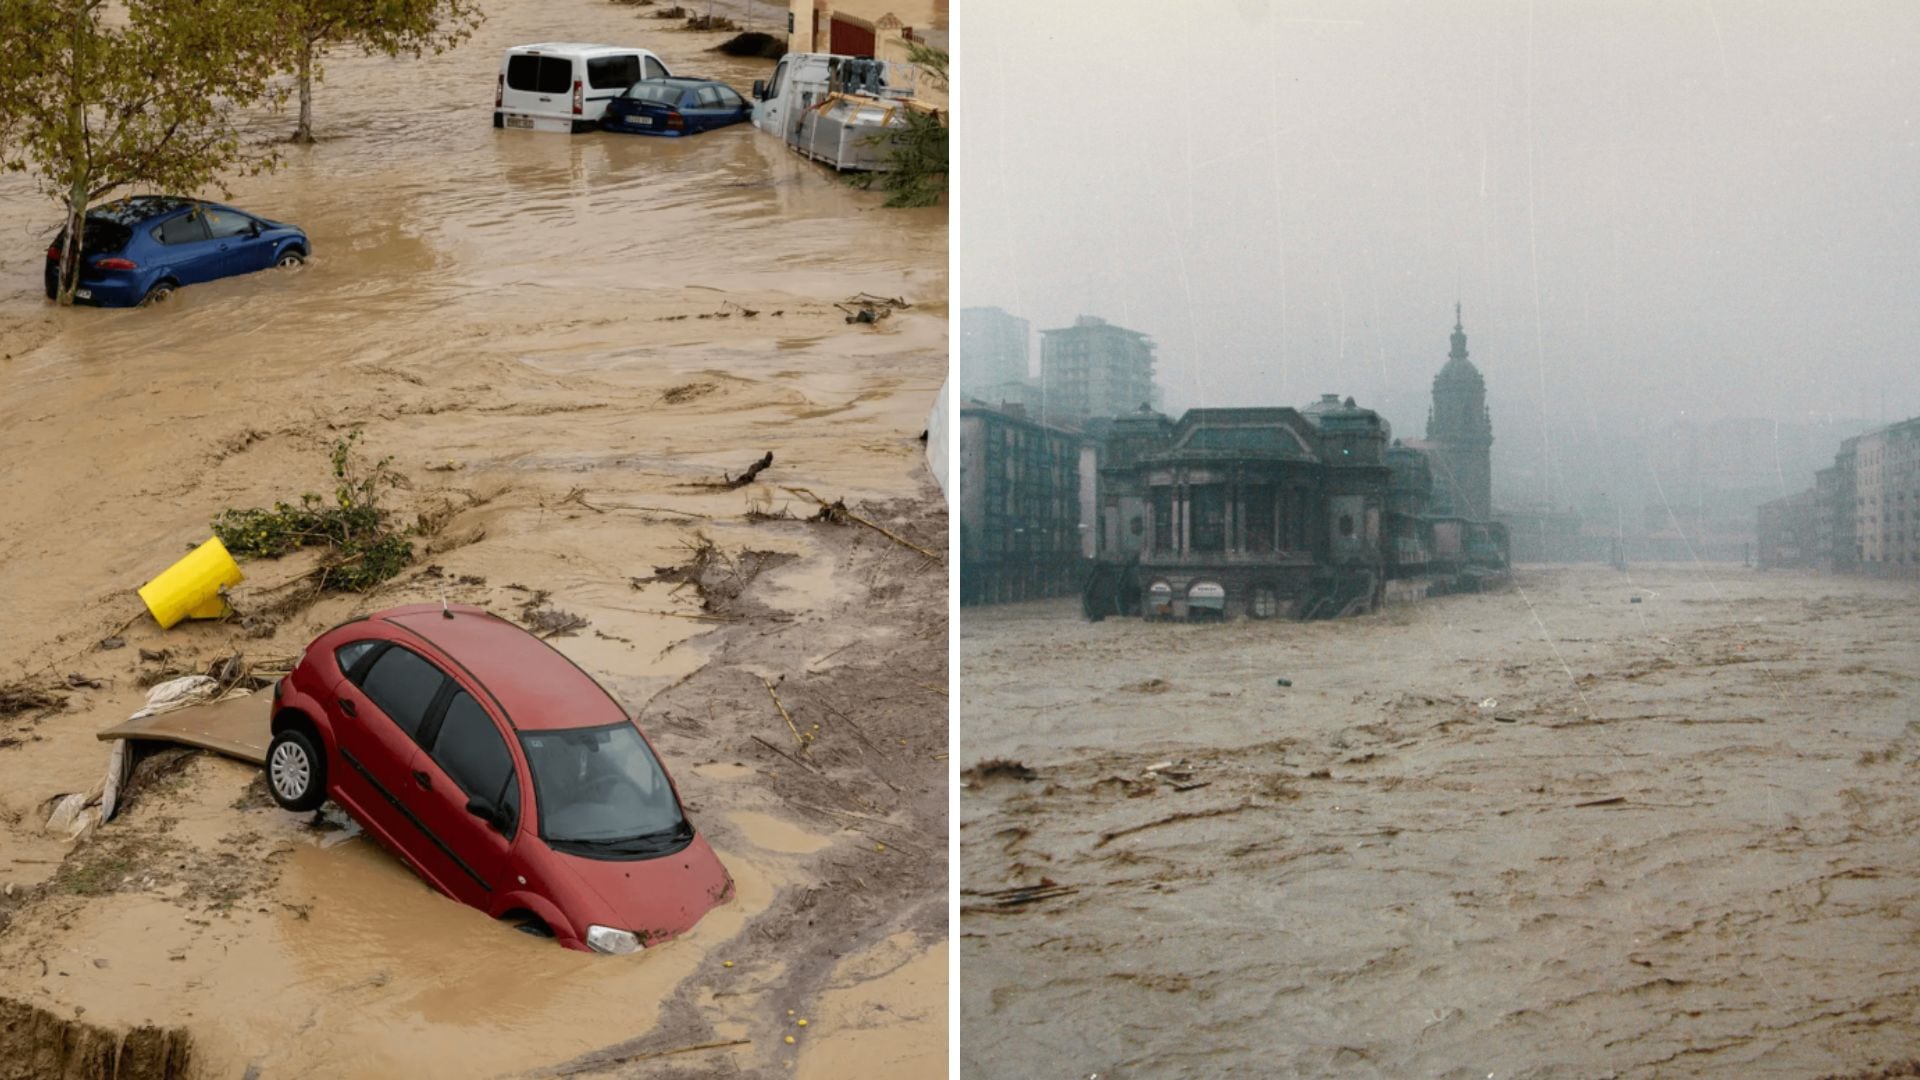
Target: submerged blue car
(140,249)
(675,106)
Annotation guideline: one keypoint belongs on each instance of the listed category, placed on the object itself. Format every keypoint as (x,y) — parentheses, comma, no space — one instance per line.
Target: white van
(565,85)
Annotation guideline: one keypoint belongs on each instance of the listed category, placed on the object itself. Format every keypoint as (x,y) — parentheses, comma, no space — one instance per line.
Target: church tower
(1462,434)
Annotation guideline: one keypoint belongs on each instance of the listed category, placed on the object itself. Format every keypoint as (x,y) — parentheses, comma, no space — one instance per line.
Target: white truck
(839,110)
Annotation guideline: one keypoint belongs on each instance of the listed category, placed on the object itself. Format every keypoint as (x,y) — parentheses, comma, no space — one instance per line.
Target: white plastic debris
(1490,703)
(178,694)
(66,812)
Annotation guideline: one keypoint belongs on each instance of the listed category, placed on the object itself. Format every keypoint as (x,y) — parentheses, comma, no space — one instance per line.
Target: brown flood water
(1544,832)
(548,335)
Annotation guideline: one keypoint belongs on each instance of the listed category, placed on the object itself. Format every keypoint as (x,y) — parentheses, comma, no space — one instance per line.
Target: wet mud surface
(552,338)
(1544,832)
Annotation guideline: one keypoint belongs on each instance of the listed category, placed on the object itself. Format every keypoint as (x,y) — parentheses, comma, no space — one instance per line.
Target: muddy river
(560,342)
(1546,832)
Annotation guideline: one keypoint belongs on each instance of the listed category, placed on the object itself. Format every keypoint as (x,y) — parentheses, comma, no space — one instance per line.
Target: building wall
(884,29)
(1094,369)
(1886,469)
(1020,507)
(1786,532)
(995,349)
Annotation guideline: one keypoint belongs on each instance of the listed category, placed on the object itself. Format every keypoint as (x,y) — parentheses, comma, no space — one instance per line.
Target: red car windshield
(601,788)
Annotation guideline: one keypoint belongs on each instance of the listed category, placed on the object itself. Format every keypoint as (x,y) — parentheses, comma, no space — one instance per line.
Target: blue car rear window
(661,93)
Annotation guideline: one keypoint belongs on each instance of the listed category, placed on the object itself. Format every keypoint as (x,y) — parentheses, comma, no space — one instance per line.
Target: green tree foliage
(916,173)
(98,97)
(364,547)
(312,28)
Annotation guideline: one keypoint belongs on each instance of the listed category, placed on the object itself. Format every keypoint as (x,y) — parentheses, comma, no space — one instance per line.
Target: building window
(1346,526)
(1163,519)
(1209,528)
(1259,502)
(1266,603)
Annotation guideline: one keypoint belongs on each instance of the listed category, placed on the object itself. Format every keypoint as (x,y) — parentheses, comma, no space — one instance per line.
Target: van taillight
(116,264)
(500,90)
(676,121)
(54,253)
(579,100)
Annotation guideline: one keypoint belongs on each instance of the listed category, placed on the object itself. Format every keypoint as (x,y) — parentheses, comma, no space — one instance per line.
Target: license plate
(519,121)
(642,121)
(83,294)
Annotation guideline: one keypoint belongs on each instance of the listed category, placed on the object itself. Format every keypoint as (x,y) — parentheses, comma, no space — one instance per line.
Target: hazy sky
(1647,209)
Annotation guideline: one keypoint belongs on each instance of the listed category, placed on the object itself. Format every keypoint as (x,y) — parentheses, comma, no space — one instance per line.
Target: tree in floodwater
(916,173)
(98,96)
(312,28)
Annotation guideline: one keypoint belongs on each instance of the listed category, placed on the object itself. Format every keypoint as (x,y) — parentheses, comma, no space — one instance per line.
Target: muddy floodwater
(1550,831)
(564,345)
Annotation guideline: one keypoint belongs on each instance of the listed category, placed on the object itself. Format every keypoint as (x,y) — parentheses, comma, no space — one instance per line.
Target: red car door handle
(347,707)
(425,781)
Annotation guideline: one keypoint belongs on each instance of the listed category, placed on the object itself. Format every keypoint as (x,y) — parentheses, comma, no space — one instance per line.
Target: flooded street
(561,343)
(1548,831)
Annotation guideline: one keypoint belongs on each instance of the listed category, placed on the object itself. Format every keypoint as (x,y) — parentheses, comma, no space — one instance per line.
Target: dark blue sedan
(675,106)
(142,248)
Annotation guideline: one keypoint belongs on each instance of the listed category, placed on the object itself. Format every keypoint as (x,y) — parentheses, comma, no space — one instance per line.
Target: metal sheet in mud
(236,727)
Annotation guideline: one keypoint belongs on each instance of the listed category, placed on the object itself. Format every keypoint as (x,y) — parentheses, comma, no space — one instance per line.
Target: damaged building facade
(1293,513)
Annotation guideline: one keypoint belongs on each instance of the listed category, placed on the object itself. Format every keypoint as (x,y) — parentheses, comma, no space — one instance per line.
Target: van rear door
(537,88)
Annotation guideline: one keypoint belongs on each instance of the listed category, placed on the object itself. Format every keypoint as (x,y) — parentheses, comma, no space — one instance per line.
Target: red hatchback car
(499,771)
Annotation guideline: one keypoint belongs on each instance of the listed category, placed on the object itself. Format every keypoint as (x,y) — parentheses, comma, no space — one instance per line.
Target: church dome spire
(1458,368)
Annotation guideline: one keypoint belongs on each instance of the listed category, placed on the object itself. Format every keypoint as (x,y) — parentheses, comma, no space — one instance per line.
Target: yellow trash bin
(190,588)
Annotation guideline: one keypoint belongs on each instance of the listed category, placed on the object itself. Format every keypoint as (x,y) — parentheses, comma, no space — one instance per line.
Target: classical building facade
(1228,512)
(1267,512)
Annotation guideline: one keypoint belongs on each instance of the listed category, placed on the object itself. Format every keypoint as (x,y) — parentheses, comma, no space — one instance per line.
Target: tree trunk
(304,133)
(76,231)
(76,150)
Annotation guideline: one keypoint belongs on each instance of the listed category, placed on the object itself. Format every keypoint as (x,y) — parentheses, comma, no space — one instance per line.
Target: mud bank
(562,343)
(35,1044)
(1543,832)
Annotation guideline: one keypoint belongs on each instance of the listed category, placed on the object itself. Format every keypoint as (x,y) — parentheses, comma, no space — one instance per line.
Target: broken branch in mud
(1191,815)
(753,470)
(1008,899)
(578,497)
(857,730)
(683,614)
(799,739)
(779,751)
(868,308)
(838,509)
(600,1064)
(731,483)
(21,697)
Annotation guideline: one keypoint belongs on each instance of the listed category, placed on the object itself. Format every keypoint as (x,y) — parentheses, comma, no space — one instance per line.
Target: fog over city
(1652,213)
